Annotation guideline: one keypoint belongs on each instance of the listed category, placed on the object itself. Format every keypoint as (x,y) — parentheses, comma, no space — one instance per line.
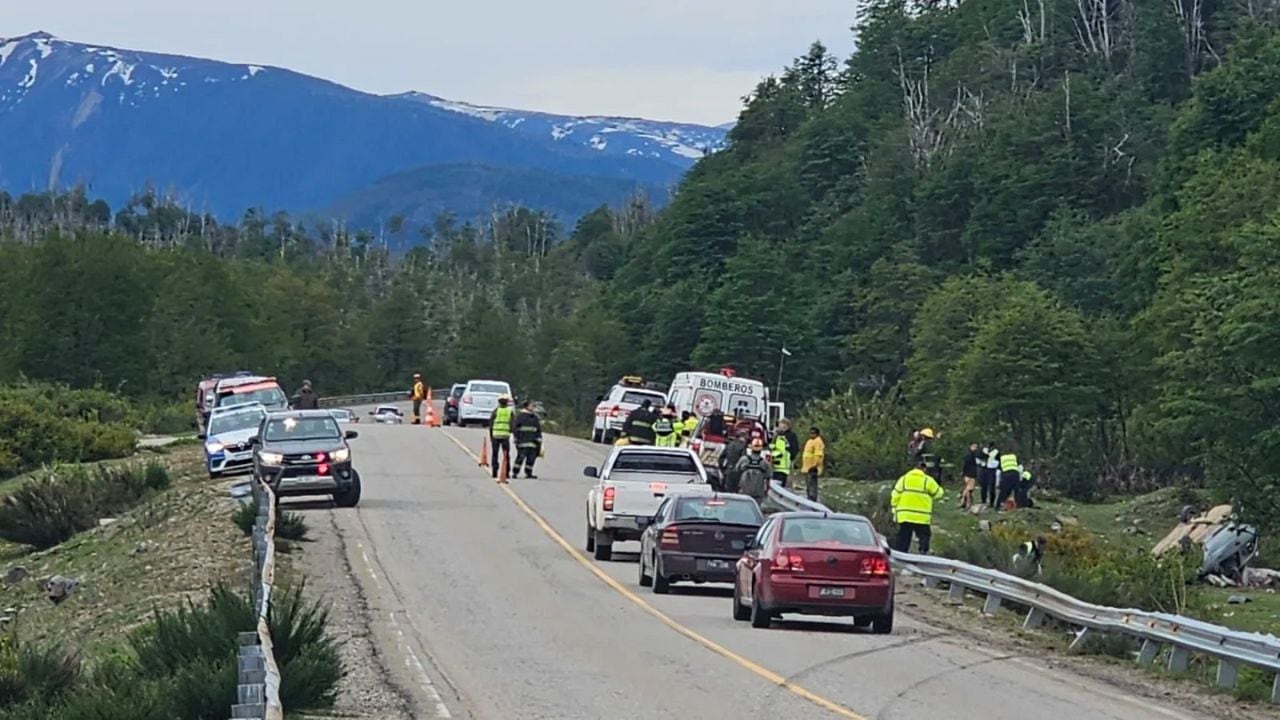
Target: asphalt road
(486,606)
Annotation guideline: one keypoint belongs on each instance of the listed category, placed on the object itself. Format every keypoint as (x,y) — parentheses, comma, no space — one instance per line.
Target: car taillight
(875,565)
(671,536)
(608,497)
(466,399)
(614,412)
(787,562)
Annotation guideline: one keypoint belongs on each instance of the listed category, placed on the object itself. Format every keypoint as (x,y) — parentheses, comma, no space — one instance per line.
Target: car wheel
(741,612)
(604,546)
(351,497)
(591,539)
(597,436)
(609,437)
(862,621)
(761,617)
(883,624)
(661,585)
(646,579)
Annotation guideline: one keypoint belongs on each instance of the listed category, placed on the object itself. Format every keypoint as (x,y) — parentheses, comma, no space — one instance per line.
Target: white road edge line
(412,662)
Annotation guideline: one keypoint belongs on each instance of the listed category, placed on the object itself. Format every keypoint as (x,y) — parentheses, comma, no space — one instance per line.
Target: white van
(701,393)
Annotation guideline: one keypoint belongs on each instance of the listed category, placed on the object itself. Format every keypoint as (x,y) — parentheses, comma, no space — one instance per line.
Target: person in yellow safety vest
(1010,476)
(780,455)
(500,433)
(418,394)
(687,426)
(912,501)
(664,429)
(815,453)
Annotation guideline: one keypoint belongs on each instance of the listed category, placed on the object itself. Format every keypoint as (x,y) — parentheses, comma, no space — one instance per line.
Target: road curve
(487,608)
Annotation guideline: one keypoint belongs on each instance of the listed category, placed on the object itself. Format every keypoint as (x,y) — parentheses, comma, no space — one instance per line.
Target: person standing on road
(418,394)
(912,502)
(754,472)
(688,423)
(733,451)
(638,429)
(528,432)
(664,429)
(305,399)
(781,454)
(500,434)
(815,453)
(970,473)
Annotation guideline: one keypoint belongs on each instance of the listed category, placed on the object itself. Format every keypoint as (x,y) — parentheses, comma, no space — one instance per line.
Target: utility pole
(782,362)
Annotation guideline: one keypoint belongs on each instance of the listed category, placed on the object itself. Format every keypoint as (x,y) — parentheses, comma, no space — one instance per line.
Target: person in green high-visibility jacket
(780,454)
(500,433)
(665,433)
(912,501)
(1010,476)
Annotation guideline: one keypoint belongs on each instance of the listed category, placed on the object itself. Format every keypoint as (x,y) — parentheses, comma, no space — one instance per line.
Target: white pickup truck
(630,487)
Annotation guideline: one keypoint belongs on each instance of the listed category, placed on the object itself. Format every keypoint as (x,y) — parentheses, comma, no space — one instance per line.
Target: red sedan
(815,564)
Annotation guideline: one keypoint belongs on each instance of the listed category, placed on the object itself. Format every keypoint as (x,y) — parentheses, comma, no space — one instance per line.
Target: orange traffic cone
(484,453)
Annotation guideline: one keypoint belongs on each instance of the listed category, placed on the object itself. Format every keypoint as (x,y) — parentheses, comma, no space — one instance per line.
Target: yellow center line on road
(640,602)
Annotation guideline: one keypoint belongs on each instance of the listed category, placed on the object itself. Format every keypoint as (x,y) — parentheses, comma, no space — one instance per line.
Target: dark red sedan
(697,538)
(815,564)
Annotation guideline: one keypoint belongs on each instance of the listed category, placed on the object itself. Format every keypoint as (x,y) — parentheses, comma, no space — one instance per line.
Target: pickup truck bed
(623,501)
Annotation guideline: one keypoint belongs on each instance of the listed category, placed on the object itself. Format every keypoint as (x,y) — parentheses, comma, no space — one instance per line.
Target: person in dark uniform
(638,428)
(528,432)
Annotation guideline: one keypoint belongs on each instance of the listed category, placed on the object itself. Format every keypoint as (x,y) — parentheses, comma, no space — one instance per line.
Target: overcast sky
(663,59)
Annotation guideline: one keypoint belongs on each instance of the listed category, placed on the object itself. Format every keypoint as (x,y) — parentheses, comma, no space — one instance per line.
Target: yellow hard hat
(927,432)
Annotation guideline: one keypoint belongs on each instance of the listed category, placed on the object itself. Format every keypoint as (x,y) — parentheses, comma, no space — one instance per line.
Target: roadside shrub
(195,632)
(28,672)
(865,438)
(34,437)
(289,525)
(310,664)
(51,507)
(168,418)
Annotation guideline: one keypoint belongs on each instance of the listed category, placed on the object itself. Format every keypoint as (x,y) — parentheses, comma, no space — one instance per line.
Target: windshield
(633,397)
(829,531)
(457,390)
(310,428)
(266,396)
(494,388)
(676,463)
(714,509)
(234,422)
(387,410)
(341,414)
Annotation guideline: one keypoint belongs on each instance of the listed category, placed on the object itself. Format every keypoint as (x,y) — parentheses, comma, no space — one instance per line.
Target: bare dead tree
(1195,40)
(922,132)
(1100,26)
(1033,24)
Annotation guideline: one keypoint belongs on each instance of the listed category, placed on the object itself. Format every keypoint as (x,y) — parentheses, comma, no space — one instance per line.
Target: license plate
(831,592)
(717,564)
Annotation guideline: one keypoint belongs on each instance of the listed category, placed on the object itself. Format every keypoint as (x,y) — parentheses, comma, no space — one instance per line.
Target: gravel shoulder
(367,692)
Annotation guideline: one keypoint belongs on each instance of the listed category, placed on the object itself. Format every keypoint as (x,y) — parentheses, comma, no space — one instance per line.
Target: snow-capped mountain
(225,137)
(629,136)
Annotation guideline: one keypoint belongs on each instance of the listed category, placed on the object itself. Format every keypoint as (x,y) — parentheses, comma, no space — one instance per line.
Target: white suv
(613,409)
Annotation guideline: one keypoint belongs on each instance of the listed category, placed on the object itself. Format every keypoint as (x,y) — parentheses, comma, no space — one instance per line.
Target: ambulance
(701,393)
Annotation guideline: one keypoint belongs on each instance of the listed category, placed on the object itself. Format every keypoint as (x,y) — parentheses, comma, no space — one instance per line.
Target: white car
(343,415)
(479,400)
(612,409)
(629,488)
(389,414)
(227,448)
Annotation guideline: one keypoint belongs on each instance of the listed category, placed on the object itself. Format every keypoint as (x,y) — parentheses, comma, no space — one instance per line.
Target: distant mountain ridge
(223,137)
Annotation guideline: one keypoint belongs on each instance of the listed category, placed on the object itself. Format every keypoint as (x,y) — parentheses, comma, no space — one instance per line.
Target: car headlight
(270,458)
(213,447)
(342,455)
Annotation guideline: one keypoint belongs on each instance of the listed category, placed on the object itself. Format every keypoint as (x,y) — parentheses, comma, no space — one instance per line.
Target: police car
(226,439)
(612,409)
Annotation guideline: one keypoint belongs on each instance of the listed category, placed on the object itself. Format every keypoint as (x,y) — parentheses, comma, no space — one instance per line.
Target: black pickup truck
(305,452)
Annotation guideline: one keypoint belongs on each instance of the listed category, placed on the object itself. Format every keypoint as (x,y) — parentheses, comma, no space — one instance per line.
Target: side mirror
(202,436)
(352,434)
(591,471)
(255,440)
(644,521)
(599,398)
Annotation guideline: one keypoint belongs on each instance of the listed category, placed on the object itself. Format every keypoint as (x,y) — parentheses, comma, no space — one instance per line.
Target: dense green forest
(1054,223)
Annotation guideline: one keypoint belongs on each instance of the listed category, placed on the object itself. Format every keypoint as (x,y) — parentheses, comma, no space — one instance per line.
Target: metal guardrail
(375,398)
(1183,636)
(258,690)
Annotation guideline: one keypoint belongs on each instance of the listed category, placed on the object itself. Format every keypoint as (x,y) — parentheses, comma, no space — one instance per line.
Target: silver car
(389,414)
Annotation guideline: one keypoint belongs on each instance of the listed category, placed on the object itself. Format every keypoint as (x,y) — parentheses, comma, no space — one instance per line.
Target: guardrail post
(933,583)
(992,604)
(1275,689)
(1081,636)
(1150,649)
(1227,671)
(1035,618)
(956,592)
(1179,659)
